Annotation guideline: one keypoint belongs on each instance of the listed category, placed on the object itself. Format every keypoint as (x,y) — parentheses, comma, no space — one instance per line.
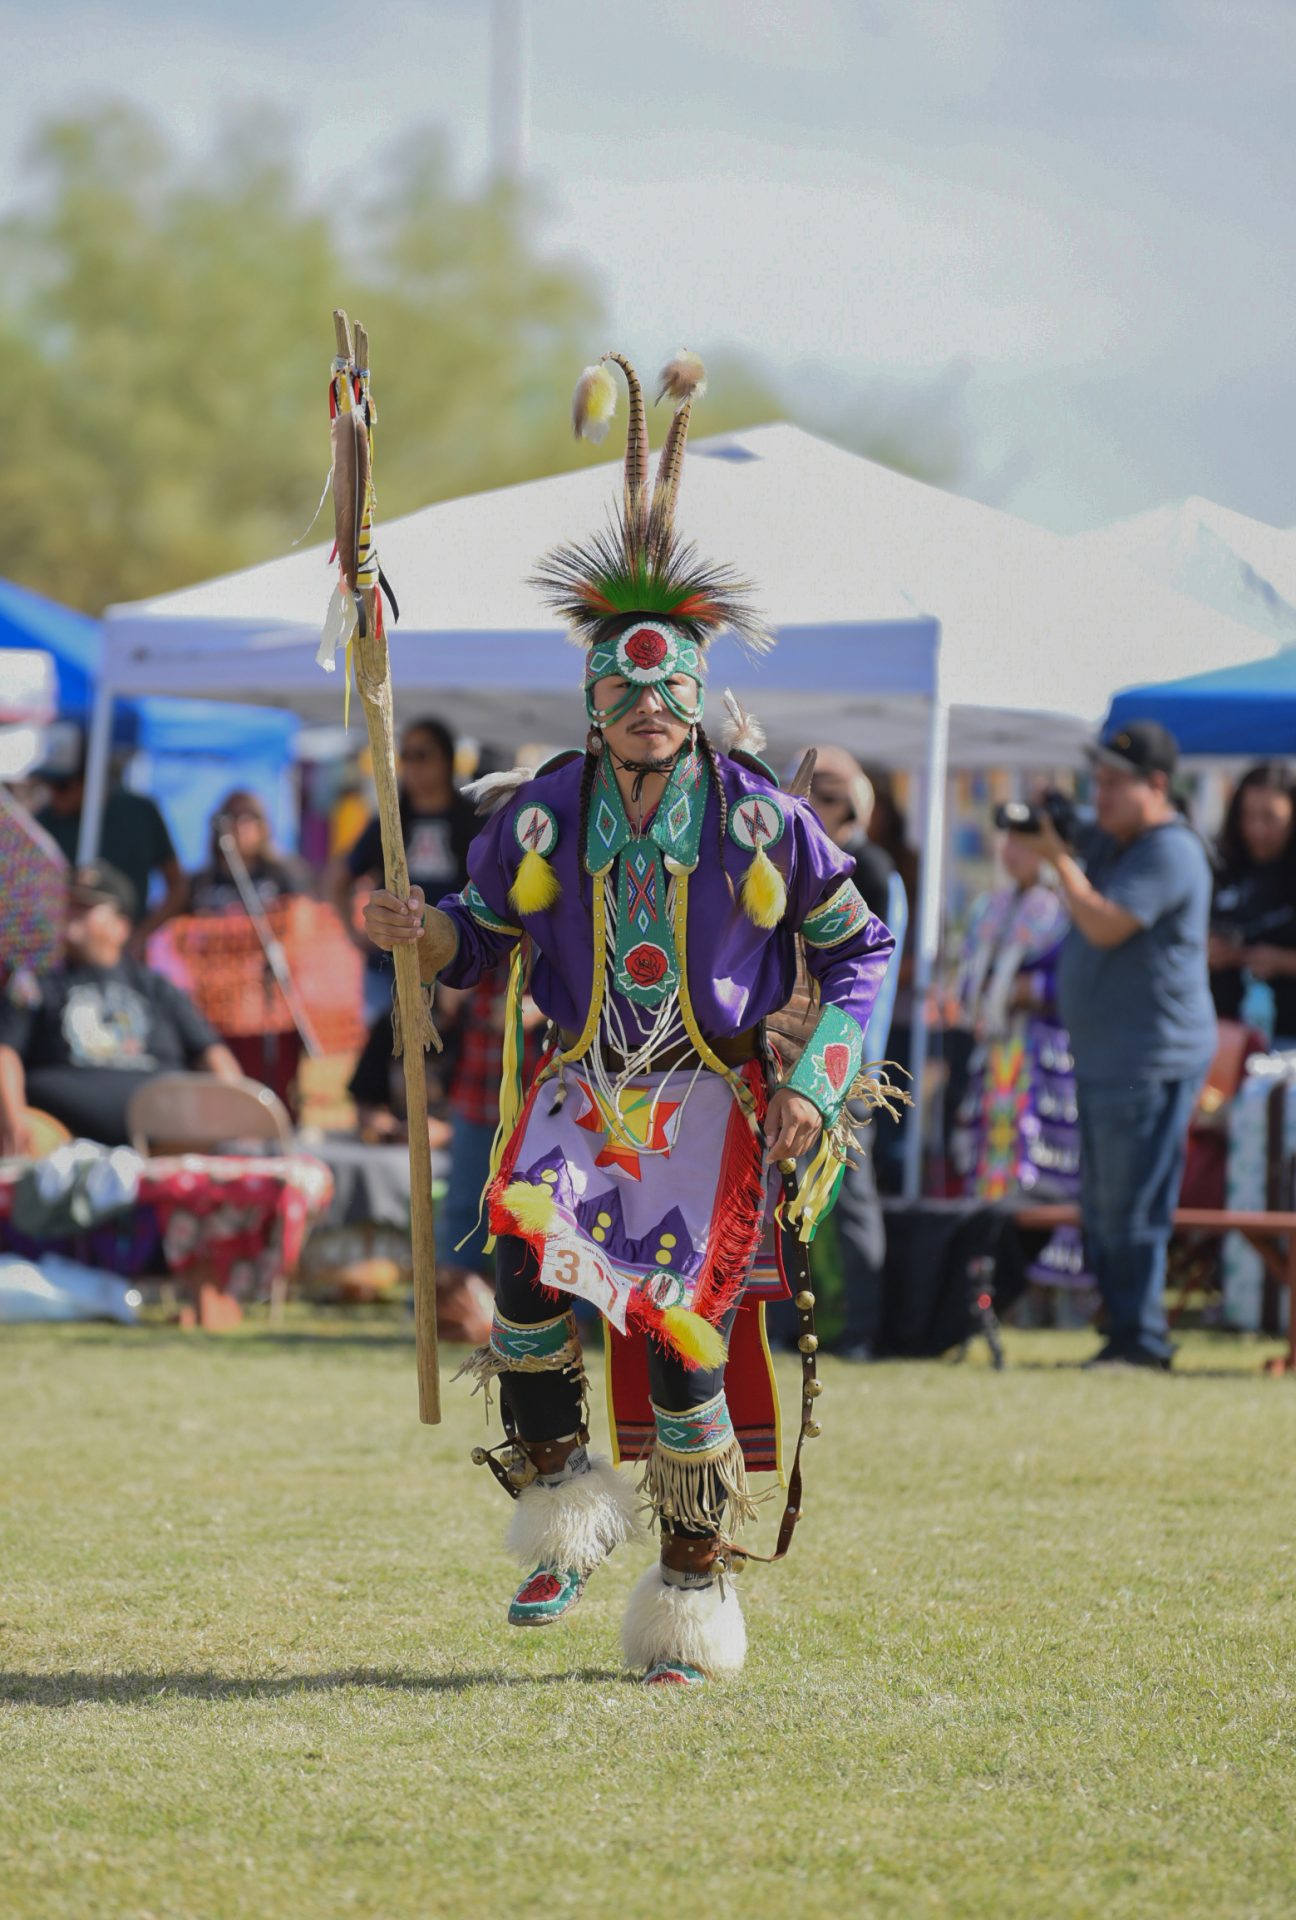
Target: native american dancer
(650,894)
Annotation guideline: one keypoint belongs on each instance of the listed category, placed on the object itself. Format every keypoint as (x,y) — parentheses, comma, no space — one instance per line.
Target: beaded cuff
(826,1070)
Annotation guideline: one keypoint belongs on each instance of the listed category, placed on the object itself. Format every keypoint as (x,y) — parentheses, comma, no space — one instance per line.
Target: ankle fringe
(692,1491)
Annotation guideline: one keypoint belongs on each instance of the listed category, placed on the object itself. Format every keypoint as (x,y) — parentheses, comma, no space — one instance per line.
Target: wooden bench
(1273,1235)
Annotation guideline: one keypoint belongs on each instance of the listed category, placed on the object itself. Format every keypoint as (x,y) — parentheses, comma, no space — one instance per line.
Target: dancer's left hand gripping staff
(651,894)
(355,622)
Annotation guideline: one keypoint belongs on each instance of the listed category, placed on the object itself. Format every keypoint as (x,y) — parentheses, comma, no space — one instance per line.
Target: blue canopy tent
(188,753)
(1249,709)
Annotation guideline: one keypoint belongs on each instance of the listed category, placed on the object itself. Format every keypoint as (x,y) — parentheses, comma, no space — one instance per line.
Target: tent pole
(931,896)
(98,750)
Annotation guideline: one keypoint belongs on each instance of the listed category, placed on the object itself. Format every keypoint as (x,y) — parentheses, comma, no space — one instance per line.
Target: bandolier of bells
(732,1555)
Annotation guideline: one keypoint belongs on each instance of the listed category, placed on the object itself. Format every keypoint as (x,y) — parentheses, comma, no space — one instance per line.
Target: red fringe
(497,1215)
(738,1217)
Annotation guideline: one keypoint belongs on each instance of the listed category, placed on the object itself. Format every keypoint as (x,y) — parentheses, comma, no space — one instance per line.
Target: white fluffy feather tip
(683,378)
(495,790)
(593,404)
(741,732)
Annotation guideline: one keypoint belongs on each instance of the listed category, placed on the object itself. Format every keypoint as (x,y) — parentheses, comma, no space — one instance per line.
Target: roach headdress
(635,595)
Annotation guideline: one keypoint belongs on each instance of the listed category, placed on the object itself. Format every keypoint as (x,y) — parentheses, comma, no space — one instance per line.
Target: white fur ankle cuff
(576,1524)
(701,1627)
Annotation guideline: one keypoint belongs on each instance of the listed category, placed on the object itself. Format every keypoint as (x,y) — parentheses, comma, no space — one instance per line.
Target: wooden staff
(373,681)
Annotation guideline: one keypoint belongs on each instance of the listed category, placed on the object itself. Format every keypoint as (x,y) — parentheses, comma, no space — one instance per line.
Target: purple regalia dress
(1017,1130)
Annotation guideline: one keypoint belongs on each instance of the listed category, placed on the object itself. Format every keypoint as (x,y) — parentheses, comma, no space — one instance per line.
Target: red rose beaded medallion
(646,964)
(646,648)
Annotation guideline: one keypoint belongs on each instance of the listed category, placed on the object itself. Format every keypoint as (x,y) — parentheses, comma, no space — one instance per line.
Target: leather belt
(735,1050)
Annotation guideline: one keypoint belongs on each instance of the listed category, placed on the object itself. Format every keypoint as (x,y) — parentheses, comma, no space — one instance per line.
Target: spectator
(1253,916)
(377,1086)
(213,888)
(889,831)
(1017,1129)
(438,825)
(274,1057)
(77,1044)
(1133,993)
(475,1105)
(842,795)
(133,836)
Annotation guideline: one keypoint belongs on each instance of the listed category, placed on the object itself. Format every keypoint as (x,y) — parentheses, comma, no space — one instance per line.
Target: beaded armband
(474,900)
(842,914)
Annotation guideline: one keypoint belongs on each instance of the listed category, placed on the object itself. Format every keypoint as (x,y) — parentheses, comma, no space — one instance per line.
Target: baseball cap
(1141,747)
(96,883)
(63,754)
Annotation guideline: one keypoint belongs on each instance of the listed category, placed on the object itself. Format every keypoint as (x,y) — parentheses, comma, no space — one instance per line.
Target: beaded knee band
(550,1346)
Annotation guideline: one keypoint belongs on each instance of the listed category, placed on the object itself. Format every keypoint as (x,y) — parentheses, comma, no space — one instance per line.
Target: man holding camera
(1133,992)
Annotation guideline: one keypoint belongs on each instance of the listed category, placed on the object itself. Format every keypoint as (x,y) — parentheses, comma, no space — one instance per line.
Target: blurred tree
(167,330)
(169,425)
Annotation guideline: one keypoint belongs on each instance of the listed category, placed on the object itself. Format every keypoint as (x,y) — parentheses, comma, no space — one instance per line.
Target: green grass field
(1034,1653)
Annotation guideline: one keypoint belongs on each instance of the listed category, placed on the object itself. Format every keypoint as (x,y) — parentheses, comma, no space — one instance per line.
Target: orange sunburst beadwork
(646,1123)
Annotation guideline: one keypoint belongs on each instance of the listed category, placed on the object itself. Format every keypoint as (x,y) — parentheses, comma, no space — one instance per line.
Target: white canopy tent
(917,628)
(1240,567)
(856,566)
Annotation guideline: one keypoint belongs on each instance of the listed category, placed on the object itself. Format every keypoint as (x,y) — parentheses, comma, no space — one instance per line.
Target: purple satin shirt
(737,972)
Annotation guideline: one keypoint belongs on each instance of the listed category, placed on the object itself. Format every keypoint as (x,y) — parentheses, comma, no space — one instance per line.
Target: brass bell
(479,1456)
(809,1343)
(812,1389)
(812,1429)
(787,1166)
(805,1299)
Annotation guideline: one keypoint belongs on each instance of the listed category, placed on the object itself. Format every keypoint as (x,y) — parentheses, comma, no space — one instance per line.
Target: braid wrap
(588,772)
(709,752)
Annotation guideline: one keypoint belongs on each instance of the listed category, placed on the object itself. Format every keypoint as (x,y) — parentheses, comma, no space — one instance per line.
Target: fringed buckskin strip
(695,1470)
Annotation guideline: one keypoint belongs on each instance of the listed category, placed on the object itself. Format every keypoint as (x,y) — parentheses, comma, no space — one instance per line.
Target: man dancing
(650,895)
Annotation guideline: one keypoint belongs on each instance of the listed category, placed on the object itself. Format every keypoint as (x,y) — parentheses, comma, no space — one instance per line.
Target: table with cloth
(233,1223)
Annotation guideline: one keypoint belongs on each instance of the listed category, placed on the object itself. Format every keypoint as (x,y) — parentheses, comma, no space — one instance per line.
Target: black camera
(1024,816)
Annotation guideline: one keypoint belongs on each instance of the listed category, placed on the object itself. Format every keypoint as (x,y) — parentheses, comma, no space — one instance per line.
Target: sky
(1071,225)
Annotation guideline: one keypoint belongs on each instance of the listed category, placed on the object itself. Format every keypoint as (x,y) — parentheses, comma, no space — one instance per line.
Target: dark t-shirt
(213,889)
(133,838)
(1258,909)
(873,870)
(436,850)
(1142,1010)
(90,1036)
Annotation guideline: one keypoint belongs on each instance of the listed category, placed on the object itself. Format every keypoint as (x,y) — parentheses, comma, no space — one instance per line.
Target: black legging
(547,1406)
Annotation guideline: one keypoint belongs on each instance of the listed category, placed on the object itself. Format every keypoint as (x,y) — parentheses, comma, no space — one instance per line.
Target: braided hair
(709,755)
(589,773)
